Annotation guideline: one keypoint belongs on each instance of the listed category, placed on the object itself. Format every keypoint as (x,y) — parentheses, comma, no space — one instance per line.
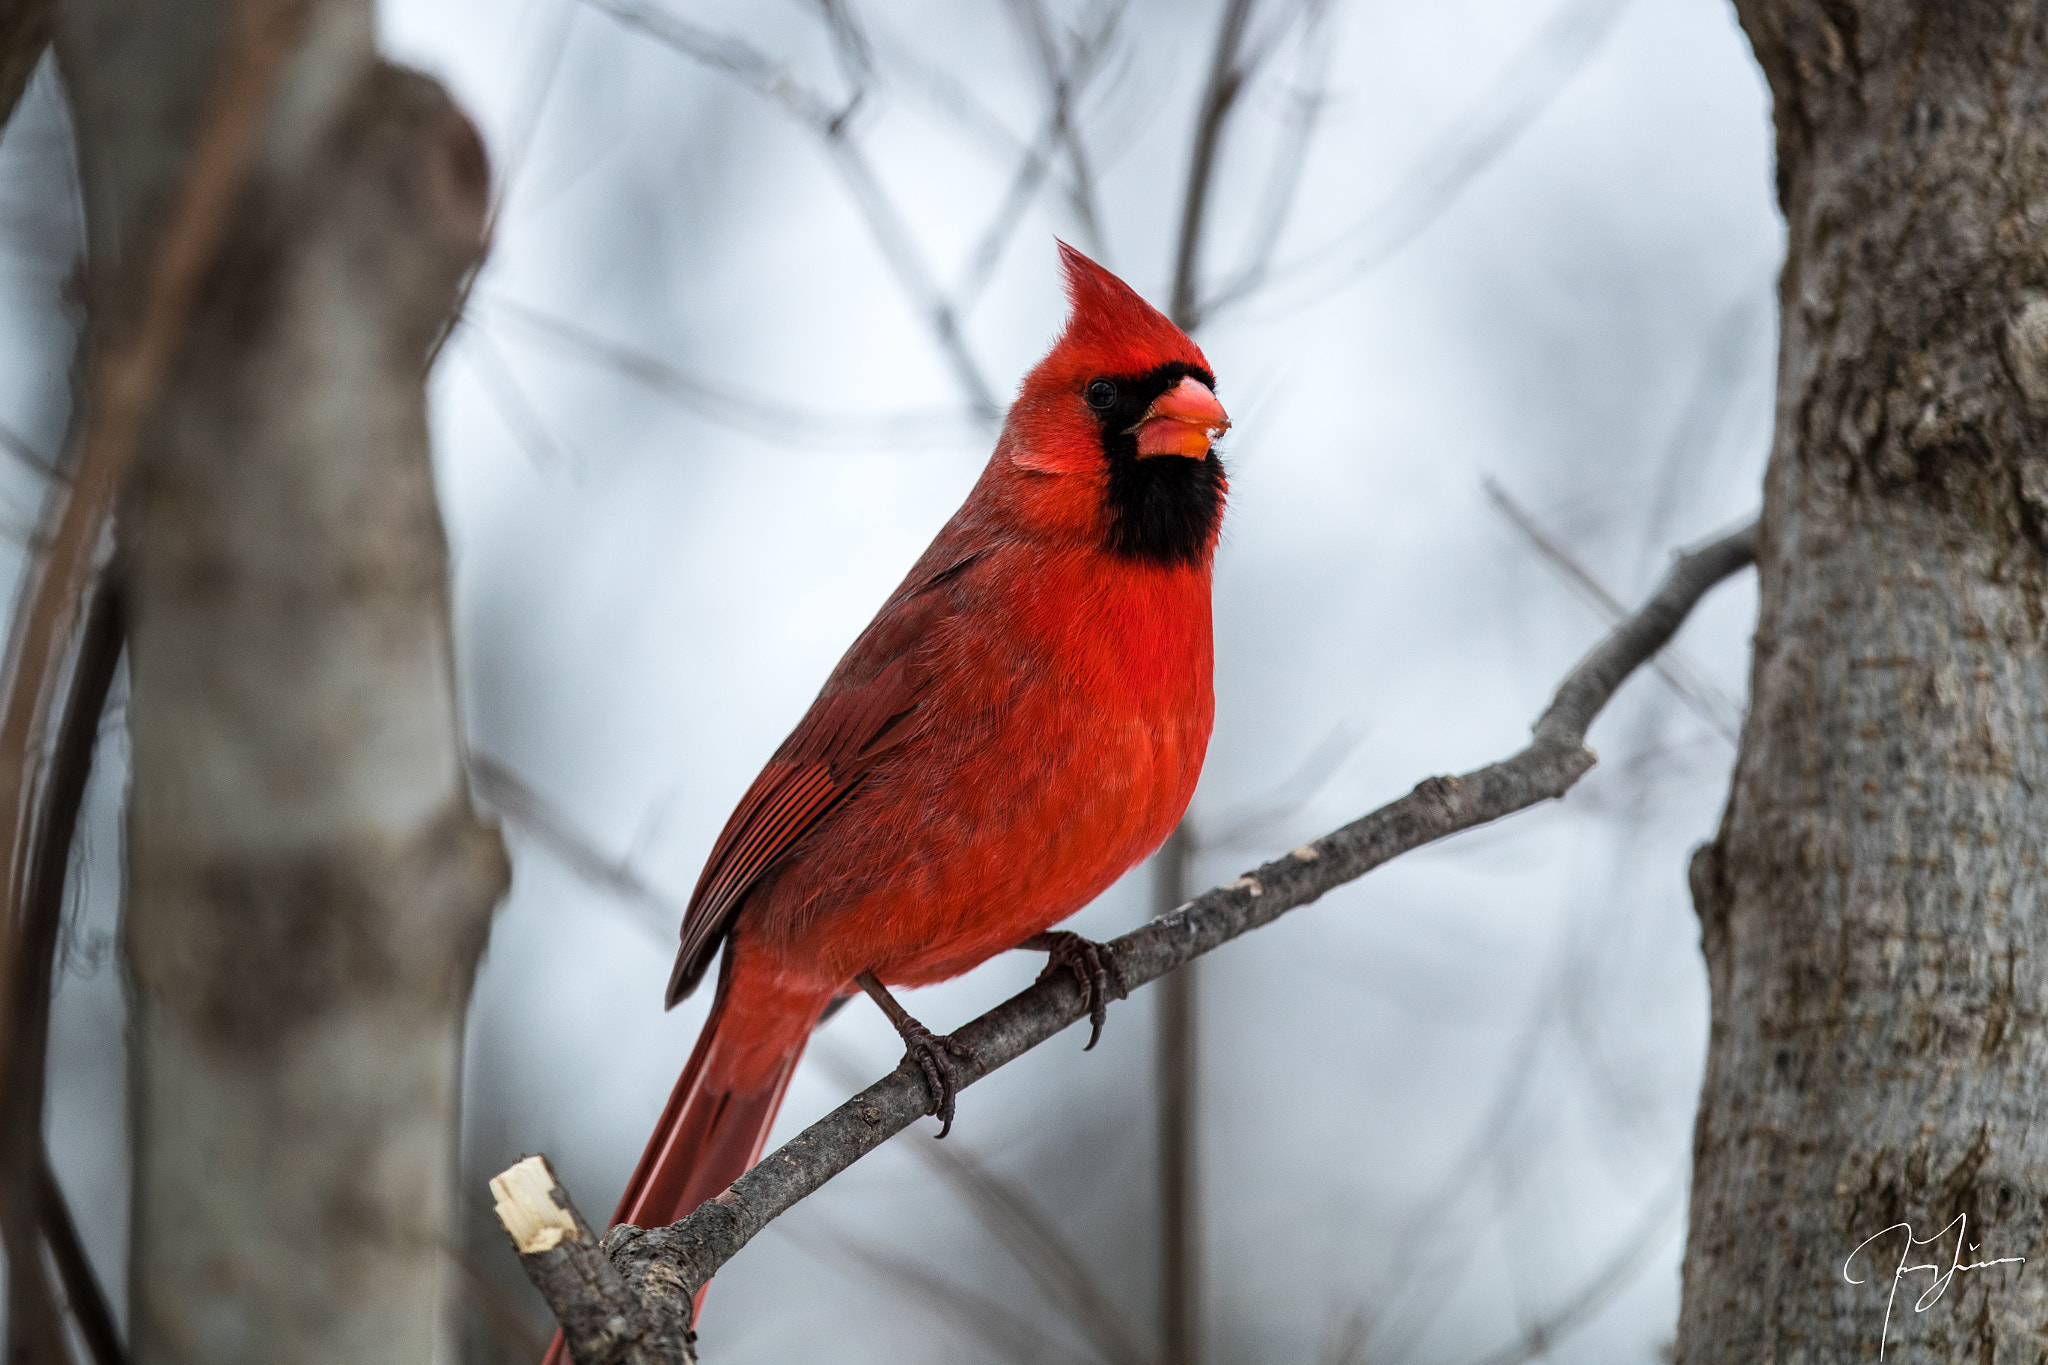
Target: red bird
(1022,722)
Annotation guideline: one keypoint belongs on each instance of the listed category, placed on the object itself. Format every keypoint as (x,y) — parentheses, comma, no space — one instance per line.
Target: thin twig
(82,1291)
(832,124)
(35,1198)
(510,796)
(1063,93)
(1010,1216)
(520,143)
(548,451)
(1068,83)
(1303,116)
(1004,1331)
(24,450)
(1226,80)
(750,413)
(1541,1337)
(1256,819)
(1707,701)
(1534,79)
(125,378)
(663,1268)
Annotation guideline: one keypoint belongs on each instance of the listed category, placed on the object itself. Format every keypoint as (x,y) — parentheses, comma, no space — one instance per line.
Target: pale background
(1456,1097)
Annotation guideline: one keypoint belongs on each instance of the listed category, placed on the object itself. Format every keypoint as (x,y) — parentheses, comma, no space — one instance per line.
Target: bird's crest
(1110,329)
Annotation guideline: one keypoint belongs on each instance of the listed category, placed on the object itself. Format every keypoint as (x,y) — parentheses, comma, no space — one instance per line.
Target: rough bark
(603,1321)
(308,889)
(1872,909)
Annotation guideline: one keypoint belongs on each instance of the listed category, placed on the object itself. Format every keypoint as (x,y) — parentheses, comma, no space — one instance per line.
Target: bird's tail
(714,1126)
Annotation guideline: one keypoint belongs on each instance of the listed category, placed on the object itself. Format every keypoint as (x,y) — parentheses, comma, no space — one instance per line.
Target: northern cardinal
(1022,722)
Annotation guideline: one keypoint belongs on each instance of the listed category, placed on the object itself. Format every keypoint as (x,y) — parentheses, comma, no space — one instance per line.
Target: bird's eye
(1101,393)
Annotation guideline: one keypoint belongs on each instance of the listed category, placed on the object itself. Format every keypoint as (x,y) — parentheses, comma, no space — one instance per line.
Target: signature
(1960,1225)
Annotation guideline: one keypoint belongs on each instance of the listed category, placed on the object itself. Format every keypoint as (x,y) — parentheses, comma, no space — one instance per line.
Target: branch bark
(661,1269)
(1873,912)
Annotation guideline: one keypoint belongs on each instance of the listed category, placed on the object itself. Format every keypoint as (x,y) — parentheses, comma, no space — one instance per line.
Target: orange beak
(1184,420)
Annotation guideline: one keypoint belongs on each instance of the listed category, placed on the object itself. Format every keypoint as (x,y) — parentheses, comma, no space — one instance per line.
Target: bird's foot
(1094,966)
(933,1052)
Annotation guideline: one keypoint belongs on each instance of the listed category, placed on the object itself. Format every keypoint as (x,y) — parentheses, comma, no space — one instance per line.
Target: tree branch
(833,125)
(601,1320)
(661,1269)
(1226,80)
(1706,700)
(745,412)
(1459,155)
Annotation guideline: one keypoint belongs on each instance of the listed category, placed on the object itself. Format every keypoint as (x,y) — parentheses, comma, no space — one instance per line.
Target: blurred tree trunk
(1872,910)
(24,32)
(308,890)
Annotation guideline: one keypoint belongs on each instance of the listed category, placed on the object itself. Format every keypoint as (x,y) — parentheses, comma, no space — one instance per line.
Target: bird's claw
(934,1054)
(1094,966)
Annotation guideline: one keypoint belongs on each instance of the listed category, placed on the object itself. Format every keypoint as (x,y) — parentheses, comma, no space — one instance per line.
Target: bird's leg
(1093,964)
(932,1053)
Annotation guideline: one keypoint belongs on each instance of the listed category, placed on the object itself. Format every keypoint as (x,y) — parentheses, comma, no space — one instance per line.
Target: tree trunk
(308,889)
(1872,910)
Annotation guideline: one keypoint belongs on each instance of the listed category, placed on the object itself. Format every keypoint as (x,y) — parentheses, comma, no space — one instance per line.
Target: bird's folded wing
(859,717)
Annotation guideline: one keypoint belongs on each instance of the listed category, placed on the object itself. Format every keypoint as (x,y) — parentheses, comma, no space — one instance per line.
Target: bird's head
(1113,432)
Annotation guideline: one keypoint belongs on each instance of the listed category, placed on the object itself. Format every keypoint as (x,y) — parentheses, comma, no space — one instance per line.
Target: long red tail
(712,1129)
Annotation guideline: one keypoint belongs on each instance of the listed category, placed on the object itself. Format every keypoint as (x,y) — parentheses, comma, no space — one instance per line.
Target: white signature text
(1960,1225)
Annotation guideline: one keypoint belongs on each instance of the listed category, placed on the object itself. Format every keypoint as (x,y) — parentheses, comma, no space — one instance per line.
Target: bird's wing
(860,716)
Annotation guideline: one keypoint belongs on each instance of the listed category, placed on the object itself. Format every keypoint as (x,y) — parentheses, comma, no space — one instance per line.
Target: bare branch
(1062,93)
(735,57)
(1226,80)
(1256,818)
(1008,1214)
(1007,1333)
(1068,82)
(892,234)
(1003,1210)
(1474,142)
(1054,1265)
(1628,1261)
(82,1291)
(520,143)
(1707,701)
(602,1320)
(1283,178)
(665,1267)
(746,412)
(513,798)
(36,1216)
(508,395)
(24,450)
